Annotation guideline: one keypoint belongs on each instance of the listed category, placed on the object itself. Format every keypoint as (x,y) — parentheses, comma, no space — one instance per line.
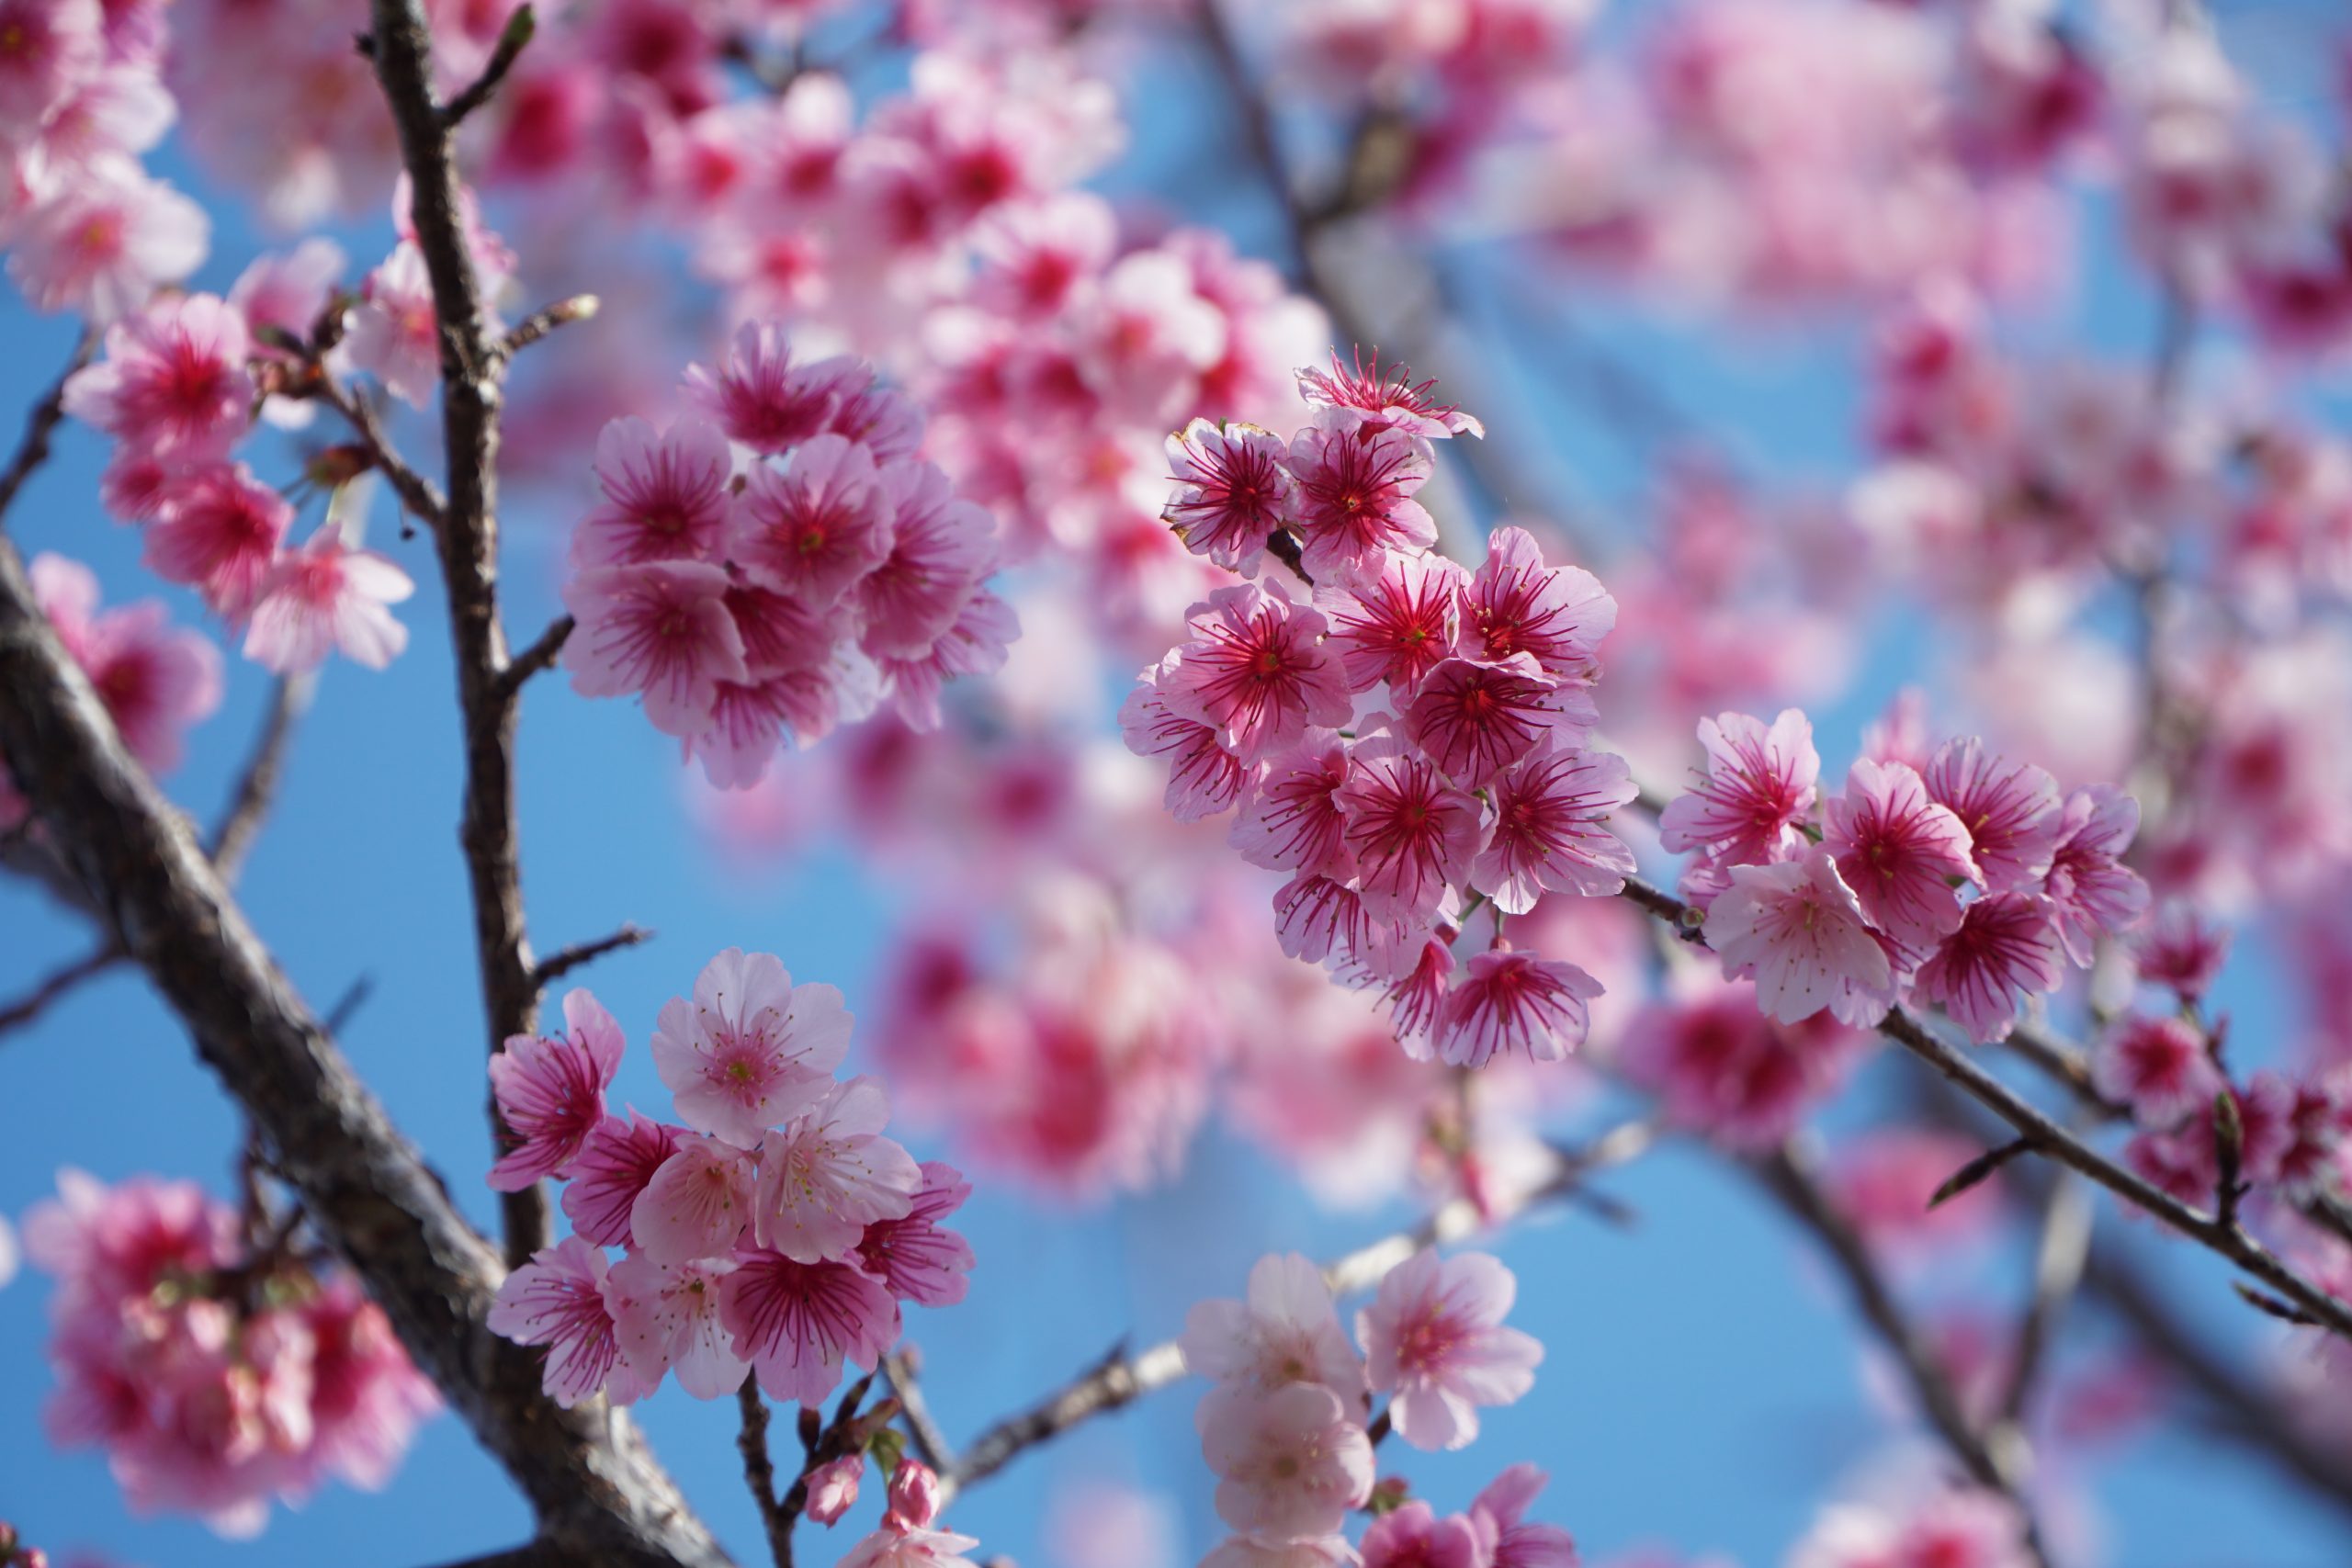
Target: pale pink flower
(797,1323)
(1900,852)
(558,1300)
(1514,603)
(1203,778)
(1255,672)
(1395,627)
(1391,397)
(752,1048)
(394,333)
(699,1203)
(832,1488)
(660,628)
(2160,1068)
(1356,482)
(1237,490)
(1798,930)
(105,242)
(2006,950)
(1286,1331)
(941,546)
(2011,813)
(1317,1551)
(1473,719)
(1517,1004)
(289,290)
(917,1257)
(890,1548)
(761,397)
(550,1091)
(1293,820)
(1500,1514)
(665,495)
(1414,1536)
(2089,888)
(325,595)
(1413,835)
(1758,787)
(175,380)
(156,681)
(1546,831)
(1434,1340)
(816,530)
(913,1495)
(666,1317)
(218,534)
(616,1161)
(1291,1462)
(1143,336)
(831,1173)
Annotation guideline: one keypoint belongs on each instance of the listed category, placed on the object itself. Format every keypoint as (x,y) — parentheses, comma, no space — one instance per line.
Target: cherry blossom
(1396,627)
(1760,785)
(1547,833)
(752,1048)
(219,533)
(665,495)
(327,595)
(1289,1462)
(615,1162)
(1502,1509)
(1254,671)
(2159,1066)
(1237,491)
(174,381)
(558,1300)
(1515,603)
(1514,1004)
(816,529)
(2091,891)
(660,629)
(1434,1339)
(1798,930)
(797,1323)
(697,1203)
(1414,1536)
(666,1317)
(1356,482)
(2007,949)
(1293,821)
(1413,835)
(1286,1331)
(2011,812)
(1900,852)
(914,1256)
(829,1173)
(550,1092)
(834,1486)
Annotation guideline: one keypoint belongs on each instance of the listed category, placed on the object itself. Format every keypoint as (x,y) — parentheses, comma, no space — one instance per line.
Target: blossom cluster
(775,1232)
(1954,877)
(1287,1427)
(779,564)
(1410,737)
(182,382)
(219,1370)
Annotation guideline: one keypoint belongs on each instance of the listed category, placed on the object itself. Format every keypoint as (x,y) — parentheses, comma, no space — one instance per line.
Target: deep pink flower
(1515,1003)
(797,1323)
(2295,1132)
(558,1300)
(666,1317)
(816,530)
(1391,397)
(1414,1536)
(326,595)
(913,1496)
(46,46)
(1473,719)
(218,534)
(2011,813)
(1514,603)
(1396,627)
(616,1161)
(1320,921)
(1798,930)
(766,402)
(1413,834)
(1547,830)
(155,679)
(367,1396)
(917,1257)
(782,635)
(697,1204)
(1900,852)
(175,380)
(752,1048)
(1758,787)
(2160,1068)
(1286,1331)
(831,1173)
(2006,950)
(1203,778)
(1417,996)
(1434,1340)
(665,495)
(2181,950)
(1291,1462)
(660,629)
(2089,888)
(1719,1066)
(1293,820)
(1255,672)
(550,1091)
(1356,480)
(940,546)
(1500,1512)
(1237,490)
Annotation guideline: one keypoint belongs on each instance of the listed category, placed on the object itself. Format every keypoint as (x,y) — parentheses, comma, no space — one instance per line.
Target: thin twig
(931,1443)
(520,26)
(347,1006)
(2059,1258)
(418,495)
(233,838)
(53,986)
(543,652)
(758,1471)
(41,425)
(565,960)
(539,324)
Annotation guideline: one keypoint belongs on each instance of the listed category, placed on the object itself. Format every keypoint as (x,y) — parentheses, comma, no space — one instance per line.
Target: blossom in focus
(1435,1340)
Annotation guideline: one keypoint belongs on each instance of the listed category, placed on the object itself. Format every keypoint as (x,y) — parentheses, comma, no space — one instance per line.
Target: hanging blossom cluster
(1407,742)
(157,681)
(1955,878)
(219,1368)
(783,565)
(85,228)
(1288,1426)
(775,1232)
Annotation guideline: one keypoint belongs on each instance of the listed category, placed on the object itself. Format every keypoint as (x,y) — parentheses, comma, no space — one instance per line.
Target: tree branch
(520,26)
(539,655)
(565,960)
(264,771)
(759,1471)
(41,425)
(46,992)
(931,1443)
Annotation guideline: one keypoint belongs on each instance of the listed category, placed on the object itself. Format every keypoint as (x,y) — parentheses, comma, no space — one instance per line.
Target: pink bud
(833,1487)
(914,1497)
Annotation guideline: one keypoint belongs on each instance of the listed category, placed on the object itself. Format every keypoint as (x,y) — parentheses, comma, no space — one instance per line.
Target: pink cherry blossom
(1293,820)
(558,1300)
(1356,482)
(915,1255)
(941,546)
(1473,719)
(817,529)
(1287,1331)
(1900,852)
(325,595)
(550,1091)
(1516,1004)
(1721,1066)
(1391,397)
(1237,490)
(1395,627)
(175,380)
(1798,930)
(2006,950)
(616,1161)
(888,1547)
(831,1173)
(762,400)
(107,241)
(662,629)
(1434,1339)
(394,331)
(666,1317)
(699,1203)
(1415,1537)
(665,495)
(289,290)
(2181,950)
(2012,813)
(1500,1513)
(1255,672)
(750,1049)
(2089,888)
(50,44)
(832,1488)
(797,1323)
(218,534)
(2160,1068)
(1515,603)
(1203,778)
(1413,834)
(1291,1461)
(914,1496)
(1758,787)
(1546,833)
(156,681)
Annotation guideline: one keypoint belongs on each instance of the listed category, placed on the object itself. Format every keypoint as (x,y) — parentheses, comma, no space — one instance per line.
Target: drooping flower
(1396,627)
(1798,930)
(1413,834)
(665,495)
(2160,1068)
(1356,482)
(1473,719)
(697,1204)
(1291,1462)
(1293,820)
(558,1300)
(1435,1341)
(797,1323)
(831,1173)
(1237,490)
(816,530)
(1255,672)
(1515,1003)
(550,1091)
(2011,812)
(616,1161)
(1203,778)
(1515,603)
(2089,888)
(1758,786)
(666,1317)
(1547,832)
(326,595)
(662,629)
(1286,1331)
(2006,950)
(917,1257)
(1500,1512)
(1900,852)
(175,380)
(752,1048)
